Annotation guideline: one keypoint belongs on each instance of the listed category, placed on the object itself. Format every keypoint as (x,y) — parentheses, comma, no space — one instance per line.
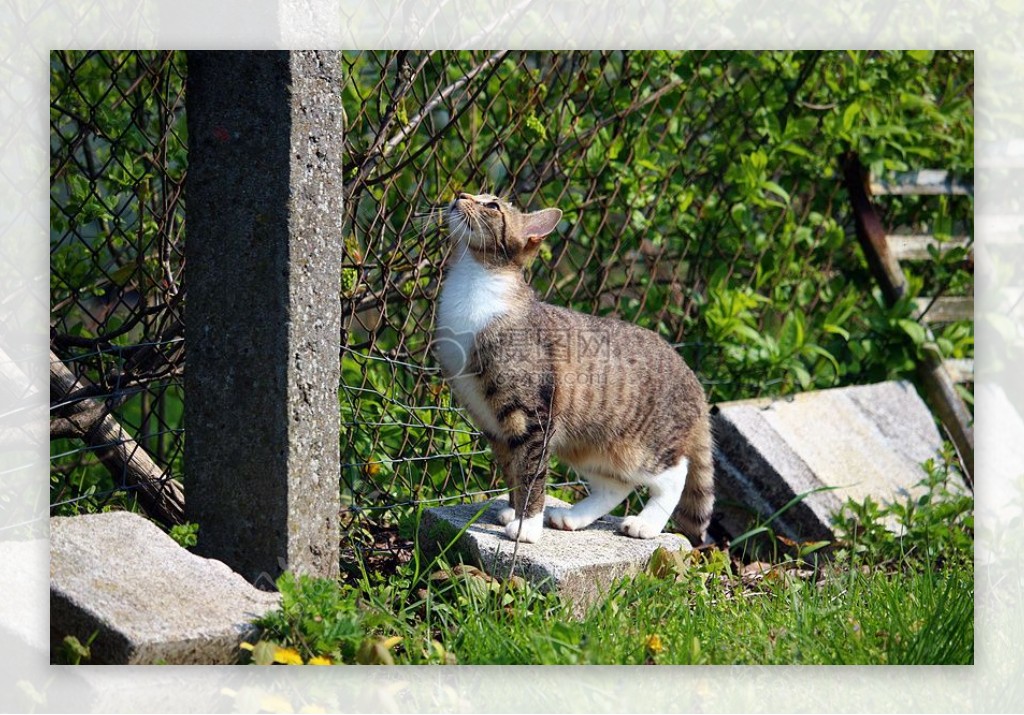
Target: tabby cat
(612,400)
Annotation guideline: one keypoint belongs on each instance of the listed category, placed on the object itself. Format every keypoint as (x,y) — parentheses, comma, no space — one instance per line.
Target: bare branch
(162,497)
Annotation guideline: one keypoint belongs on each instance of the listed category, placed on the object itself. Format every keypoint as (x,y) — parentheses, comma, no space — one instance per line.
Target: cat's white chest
(471,298)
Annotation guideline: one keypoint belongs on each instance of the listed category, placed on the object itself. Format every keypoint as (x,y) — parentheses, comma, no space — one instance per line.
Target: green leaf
(802,376)
(759,160)
(836,330)
(666,564)
(798,150)
(850,116)
(922,56)
(186,534)
(748,332)
(776,189)
(791,337)
(74,651)
(817,350)
(913,329)
(809,547)
(122,275)
(373,652)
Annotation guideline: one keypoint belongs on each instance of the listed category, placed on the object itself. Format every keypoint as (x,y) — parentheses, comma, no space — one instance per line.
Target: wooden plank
(870,231)
(923,182)
(945,309)
(960,370)
(915,247)
(938,386)
(953,413)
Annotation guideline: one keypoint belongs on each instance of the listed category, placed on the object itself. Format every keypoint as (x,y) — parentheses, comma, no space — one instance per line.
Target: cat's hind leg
(664,492)
(605,495)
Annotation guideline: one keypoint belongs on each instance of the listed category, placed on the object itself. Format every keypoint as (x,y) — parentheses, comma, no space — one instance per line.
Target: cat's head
(498,233)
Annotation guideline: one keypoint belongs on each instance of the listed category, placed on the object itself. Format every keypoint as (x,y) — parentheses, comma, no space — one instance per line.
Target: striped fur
(613,401)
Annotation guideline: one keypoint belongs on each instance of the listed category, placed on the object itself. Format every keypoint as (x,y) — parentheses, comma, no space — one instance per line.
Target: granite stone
(848,443)
(579,565)
(148,599)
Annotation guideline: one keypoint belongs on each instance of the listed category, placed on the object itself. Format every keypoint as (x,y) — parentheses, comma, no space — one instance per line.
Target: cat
(612,400)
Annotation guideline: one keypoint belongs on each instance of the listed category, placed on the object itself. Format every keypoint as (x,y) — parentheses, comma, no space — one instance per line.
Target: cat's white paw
(636,527)
(506,515)
(531,531)
(563,519)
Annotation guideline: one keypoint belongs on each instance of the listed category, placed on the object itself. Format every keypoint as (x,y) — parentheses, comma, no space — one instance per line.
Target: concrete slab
(865,441)
(580,565)
(150,600)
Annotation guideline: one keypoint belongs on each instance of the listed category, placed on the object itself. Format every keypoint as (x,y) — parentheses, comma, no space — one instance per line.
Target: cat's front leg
(527,522)
(530,528)
(605,495)
(506,515)
(525,467)
(527,530)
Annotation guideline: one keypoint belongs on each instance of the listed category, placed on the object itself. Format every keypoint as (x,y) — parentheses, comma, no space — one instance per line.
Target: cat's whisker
(437,212)
(460,233)
(427,218)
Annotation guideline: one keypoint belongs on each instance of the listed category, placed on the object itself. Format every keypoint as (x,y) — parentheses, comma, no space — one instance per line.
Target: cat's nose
(463,195)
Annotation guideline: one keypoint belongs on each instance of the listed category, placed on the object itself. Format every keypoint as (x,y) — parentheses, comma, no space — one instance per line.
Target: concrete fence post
(263,267)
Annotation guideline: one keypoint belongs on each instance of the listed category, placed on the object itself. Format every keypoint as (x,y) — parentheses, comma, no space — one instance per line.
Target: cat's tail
(693,514)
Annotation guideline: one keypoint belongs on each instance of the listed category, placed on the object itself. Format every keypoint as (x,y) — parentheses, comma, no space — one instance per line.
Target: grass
(859,619)
(881,598)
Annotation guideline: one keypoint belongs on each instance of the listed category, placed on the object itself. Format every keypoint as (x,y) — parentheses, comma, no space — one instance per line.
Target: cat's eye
(493,205)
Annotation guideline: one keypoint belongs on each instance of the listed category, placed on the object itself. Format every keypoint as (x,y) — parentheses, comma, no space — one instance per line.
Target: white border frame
(32,29)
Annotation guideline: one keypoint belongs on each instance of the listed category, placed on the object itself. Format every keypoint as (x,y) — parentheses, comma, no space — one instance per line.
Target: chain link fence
(117,166)
(701,195)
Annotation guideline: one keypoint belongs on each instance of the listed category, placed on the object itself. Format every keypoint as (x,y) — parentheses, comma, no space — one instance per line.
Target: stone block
(150,600)
(864,441)
(580,565)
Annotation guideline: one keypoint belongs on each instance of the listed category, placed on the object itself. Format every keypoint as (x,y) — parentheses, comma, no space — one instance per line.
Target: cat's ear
(540,223)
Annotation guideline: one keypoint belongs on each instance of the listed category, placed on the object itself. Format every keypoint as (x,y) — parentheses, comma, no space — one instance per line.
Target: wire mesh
(700,196)
(117,167)
(650,156)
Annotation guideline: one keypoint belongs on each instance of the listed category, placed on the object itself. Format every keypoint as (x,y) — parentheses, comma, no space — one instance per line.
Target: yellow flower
(654,644)
(287,656)
(320,660)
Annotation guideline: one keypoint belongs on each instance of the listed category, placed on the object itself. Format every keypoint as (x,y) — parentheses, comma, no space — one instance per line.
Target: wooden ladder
(884,252)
